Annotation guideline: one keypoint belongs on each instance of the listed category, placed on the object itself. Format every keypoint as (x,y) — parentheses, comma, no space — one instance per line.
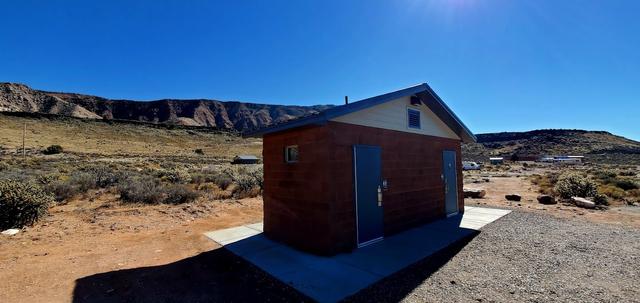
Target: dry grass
(140,163)
(102,138)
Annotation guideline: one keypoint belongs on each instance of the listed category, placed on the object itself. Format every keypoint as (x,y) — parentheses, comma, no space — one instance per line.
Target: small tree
(21,203)
(575,185)
(53,149)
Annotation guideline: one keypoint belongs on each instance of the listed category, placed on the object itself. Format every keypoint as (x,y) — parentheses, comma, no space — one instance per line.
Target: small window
(291,154)
(413,118)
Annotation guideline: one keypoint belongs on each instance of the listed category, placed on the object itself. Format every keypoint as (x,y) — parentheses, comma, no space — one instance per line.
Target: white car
(467,165)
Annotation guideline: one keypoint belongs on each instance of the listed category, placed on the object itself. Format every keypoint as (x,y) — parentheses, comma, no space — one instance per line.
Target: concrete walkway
(330,279)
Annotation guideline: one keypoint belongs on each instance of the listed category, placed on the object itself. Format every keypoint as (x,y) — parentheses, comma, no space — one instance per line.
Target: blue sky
(502,65)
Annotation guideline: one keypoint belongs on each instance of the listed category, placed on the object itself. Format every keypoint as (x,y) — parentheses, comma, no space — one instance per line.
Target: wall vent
(413,116)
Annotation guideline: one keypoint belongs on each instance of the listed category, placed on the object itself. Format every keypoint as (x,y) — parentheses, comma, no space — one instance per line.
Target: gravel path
(525,257)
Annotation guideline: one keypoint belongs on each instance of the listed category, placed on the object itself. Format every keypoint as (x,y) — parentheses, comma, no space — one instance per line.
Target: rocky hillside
(201,112)
(598,146)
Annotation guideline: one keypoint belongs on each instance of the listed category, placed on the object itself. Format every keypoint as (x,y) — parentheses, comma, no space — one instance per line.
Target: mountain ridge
(599,146)
(240,116)
(230,115)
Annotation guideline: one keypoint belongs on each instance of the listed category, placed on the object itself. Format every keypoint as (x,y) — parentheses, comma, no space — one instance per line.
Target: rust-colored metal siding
(310,204)
(297,195)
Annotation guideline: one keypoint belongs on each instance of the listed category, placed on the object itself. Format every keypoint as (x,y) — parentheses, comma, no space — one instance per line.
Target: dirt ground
(42,263)
(501,184)
(98,250)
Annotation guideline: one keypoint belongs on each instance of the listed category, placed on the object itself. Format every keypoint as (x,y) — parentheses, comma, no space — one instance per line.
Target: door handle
(379,196)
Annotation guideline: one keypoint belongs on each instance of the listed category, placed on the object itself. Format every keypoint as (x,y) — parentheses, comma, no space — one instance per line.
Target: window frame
(286,154)
(409,110)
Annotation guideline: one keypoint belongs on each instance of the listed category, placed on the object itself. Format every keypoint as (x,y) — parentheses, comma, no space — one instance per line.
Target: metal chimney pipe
(346,99)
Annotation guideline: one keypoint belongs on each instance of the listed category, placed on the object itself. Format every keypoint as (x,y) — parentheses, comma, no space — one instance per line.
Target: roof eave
(318,119)
(465,134)
(461,130)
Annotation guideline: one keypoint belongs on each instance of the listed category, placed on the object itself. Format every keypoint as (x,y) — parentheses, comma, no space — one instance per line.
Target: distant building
(496,160)
(562,159)
(245,159)
(568,159)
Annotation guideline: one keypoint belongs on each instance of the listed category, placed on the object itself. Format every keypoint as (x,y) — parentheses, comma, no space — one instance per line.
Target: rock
(546,199)
(582,202)
(11,232)
(513,197)
(474,193)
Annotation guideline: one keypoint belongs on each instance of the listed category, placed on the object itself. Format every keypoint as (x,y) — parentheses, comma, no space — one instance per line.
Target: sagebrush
(575,185)
(22,203)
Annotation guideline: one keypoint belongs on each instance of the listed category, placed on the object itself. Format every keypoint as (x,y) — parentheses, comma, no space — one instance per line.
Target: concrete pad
(257,226)
(488,211)
(321,278)
(231,235)
(330,279)
(257,244)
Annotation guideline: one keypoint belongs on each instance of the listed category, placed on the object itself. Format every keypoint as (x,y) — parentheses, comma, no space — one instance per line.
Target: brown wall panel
(310,204)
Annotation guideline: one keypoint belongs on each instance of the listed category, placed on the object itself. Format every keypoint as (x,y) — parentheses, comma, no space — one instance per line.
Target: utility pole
(24,133)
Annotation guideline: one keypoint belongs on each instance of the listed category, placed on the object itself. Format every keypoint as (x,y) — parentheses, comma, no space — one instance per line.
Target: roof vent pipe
(346,100)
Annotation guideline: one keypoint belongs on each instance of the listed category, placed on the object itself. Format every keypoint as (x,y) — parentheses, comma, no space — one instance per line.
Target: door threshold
(370,242)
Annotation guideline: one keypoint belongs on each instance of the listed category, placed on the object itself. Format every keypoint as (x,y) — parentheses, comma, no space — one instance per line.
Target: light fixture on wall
(415,100)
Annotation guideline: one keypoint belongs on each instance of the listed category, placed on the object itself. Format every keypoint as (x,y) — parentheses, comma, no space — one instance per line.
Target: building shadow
(396,287)
(221,276)
(213,276)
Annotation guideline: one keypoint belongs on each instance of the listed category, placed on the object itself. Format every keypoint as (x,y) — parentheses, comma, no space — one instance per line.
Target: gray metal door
(368,193)
(450,174)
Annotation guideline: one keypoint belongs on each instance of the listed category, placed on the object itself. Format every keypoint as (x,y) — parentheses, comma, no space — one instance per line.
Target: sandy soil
(42,263)
(502,184)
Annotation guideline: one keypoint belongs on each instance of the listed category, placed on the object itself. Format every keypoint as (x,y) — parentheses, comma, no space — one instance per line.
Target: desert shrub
(4,166)
(248,182)
(634,193)
(104,176)
(177,194)
(545,183)
(21,203)
(82,181)
(61,190)
(611,191)
(627,173)
(258,176)
(214,192)
(66,188)
(174,175)
(626,184)
(600,199)
(241,193)
(52,150)
(605,176)
(574,184)
(198,151)
(140,189)
(47,179)
(223,181)
(198,178)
